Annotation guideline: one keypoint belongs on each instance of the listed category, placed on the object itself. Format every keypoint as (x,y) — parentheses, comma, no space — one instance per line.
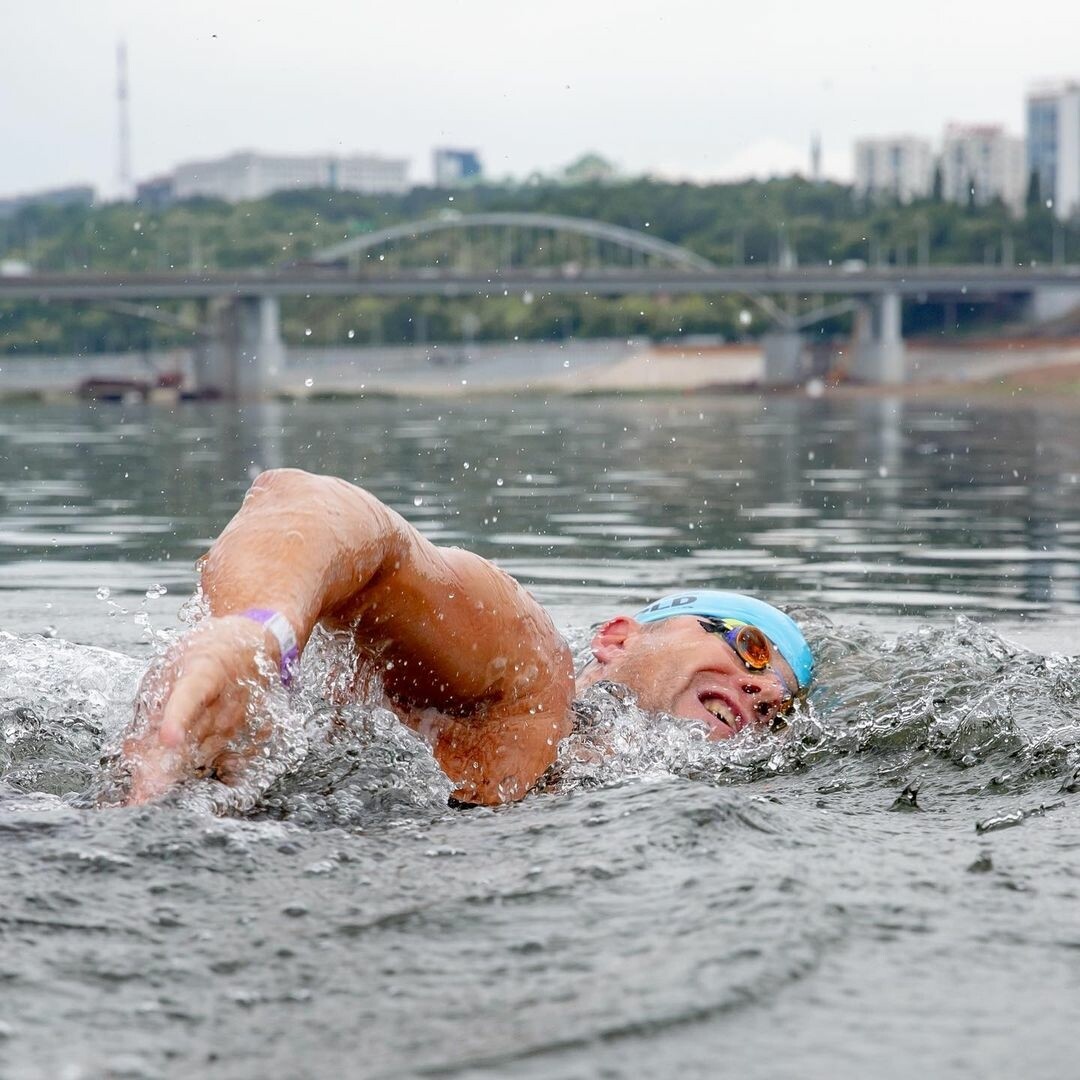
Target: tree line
(730,224)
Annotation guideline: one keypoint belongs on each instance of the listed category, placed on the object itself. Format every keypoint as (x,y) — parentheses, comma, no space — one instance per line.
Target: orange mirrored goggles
(752,647)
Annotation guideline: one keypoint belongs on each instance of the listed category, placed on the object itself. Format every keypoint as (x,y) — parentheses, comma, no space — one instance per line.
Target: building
(456,167)
(1053,144)
(981,162)
(590,168)
(81,195)
(250,175)
(899,167)
(155,193)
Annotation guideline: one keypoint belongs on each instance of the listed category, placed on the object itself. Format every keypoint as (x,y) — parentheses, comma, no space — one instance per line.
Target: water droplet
(352,334)
(499,482)
(307,332)
(309,382)
(104,592)
(155,591)
(418,500)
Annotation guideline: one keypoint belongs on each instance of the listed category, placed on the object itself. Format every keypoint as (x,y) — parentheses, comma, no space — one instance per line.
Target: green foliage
(727,223)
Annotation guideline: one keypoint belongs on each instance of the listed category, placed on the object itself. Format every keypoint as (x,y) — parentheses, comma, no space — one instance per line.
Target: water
(888,888)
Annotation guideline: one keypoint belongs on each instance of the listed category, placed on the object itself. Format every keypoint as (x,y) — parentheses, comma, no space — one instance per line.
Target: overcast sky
(697,88)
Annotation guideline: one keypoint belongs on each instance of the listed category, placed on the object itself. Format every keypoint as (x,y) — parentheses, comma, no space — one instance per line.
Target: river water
(890,888)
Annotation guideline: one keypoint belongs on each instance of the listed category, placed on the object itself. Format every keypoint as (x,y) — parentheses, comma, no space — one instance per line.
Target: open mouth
(723,711)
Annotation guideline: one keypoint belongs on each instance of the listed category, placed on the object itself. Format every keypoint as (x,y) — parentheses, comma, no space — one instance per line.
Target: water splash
(954,707)
(59,703)
(959,701)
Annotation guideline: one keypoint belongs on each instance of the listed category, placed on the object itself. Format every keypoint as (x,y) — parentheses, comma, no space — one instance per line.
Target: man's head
(726,659)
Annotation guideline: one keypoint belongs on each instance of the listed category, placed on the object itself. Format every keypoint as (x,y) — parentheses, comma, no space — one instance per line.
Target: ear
(610,641)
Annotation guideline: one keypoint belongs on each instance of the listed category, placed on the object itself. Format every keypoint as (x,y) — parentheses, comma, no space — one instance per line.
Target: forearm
(303,545)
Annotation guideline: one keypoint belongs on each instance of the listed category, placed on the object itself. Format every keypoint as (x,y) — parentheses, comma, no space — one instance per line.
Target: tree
(1033,199)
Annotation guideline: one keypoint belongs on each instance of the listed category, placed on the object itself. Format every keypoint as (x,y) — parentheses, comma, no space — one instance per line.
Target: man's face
(678,667)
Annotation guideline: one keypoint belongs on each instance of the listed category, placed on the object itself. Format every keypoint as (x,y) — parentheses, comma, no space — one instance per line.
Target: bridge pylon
(784,357)
(243,355)
(878,341)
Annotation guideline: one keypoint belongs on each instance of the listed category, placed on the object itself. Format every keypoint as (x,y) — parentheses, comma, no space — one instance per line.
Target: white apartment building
(1053,144)
(900,167)
(250,175)
(982,162)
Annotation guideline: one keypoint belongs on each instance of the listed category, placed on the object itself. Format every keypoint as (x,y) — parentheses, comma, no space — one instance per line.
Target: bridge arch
(637,243)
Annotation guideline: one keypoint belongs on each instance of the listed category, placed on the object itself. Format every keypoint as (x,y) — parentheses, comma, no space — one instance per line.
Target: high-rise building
(1053,144)
(249,175)
(981,163)
(456,167)
(899,167)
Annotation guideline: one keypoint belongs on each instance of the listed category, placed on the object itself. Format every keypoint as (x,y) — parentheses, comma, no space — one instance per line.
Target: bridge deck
(972,281)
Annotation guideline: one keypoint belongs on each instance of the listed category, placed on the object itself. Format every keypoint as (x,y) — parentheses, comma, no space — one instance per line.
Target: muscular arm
(465,654)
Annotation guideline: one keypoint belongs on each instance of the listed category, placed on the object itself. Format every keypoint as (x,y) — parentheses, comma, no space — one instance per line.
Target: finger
(223,717)
(156,763)
(228,719)
(229,767)
(153,772)
(193,693)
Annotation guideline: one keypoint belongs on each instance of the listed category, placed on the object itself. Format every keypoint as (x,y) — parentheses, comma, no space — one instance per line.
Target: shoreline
(987,369)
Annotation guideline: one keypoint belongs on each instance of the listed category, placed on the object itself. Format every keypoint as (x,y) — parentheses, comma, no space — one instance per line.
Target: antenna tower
(123,142)
(815,158)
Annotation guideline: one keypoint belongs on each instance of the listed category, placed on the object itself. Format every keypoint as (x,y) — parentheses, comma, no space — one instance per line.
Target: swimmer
(465,657)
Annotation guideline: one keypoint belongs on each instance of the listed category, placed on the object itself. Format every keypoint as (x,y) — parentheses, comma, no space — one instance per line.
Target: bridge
(241,353)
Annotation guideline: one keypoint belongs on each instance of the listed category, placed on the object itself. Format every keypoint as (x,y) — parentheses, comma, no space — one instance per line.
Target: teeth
(721,711)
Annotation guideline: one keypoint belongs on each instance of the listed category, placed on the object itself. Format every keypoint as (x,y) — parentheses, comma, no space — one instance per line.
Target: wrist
(278,626)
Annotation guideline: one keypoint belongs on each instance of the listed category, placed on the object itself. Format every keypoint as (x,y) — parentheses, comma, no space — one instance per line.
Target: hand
(194,701)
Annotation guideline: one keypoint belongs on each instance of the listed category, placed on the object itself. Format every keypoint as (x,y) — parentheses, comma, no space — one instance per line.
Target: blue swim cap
(779,628)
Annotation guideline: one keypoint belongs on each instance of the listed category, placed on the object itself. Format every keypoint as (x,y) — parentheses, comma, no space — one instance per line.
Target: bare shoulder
(464,652)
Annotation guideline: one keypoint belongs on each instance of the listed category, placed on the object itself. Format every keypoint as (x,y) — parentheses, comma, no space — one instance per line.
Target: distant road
(974,281)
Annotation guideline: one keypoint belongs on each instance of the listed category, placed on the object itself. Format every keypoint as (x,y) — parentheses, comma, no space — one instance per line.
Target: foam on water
(959,703)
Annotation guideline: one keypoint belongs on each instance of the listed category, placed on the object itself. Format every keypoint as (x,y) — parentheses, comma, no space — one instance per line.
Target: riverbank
(984,368)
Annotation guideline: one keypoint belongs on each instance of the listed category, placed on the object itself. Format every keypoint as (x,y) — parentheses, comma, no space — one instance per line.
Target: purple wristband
(282,629)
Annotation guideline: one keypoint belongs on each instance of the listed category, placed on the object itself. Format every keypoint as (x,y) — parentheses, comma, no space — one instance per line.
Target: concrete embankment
(569,367)
(566,367)
(982,359)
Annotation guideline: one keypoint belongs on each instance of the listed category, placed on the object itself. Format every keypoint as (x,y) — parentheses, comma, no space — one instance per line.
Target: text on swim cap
(671,602)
